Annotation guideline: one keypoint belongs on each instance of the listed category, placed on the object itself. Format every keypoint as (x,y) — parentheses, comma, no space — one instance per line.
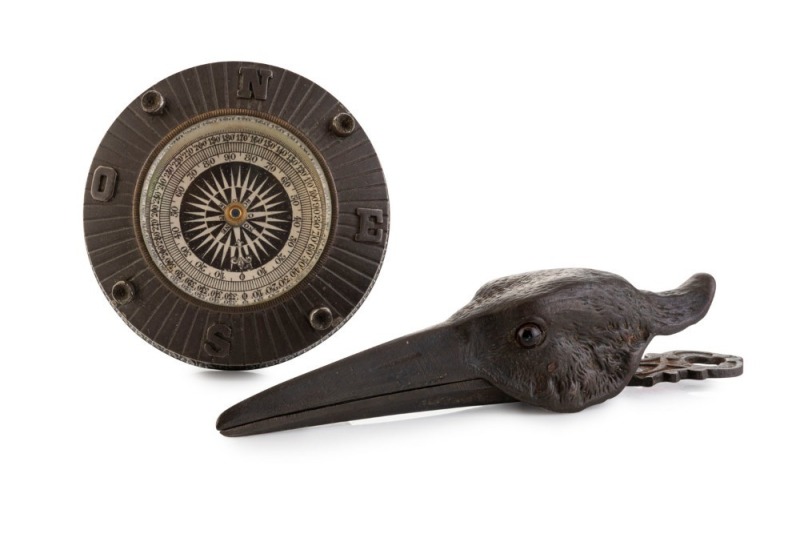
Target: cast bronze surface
(671,367)
(560,339)
(235,215)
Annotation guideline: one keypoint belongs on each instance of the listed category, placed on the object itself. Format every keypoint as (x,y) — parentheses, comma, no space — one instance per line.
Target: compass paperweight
(235,215)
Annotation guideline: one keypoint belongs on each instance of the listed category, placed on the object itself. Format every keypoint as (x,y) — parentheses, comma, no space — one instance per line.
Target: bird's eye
(529,335)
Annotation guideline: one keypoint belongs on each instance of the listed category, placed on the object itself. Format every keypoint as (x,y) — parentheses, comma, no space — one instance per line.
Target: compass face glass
(235,210)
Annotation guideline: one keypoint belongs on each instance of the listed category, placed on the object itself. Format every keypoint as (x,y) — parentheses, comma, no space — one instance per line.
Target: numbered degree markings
(235,210)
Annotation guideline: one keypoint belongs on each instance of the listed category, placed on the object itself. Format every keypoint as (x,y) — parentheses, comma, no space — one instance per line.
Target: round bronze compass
(235,215)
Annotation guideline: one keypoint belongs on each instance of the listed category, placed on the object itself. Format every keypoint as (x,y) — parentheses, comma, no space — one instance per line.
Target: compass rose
(236,216)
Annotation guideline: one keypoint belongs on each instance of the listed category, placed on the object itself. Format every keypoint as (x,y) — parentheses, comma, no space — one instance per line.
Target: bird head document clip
(235,215)
(560,339)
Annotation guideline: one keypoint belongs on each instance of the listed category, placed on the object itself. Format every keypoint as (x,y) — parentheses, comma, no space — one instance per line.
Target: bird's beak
(418,372)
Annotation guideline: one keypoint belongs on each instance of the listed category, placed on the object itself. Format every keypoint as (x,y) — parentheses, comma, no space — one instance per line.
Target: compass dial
(235,215)
(235,210)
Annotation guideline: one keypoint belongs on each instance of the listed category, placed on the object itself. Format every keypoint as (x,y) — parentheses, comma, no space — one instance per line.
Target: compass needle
(237,195)
(264,198)
(251,246)
(259,192)
(203,230)
(207,243)
(220,190)
(208,192)
(217,250)
(227,246)
(267,201)
(196,215)
(265,229)
(203,206)
(258,244)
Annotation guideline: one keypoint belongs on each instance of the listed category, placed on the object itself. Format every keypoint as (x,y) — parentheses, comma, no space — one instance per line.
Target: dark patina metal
(559,339)
(236,327)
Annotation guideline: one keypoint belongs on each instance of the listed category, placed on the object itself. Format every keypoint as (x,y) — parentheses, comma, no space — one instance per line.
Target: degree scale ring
(227,214)
(235,218)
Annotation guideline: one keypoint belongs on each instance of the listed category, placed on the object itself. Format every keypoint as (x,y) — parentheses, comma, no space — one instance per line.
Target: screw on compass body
(320,318)
(153,102)
(122,292)
(560,339)
(343,124)
(237,210)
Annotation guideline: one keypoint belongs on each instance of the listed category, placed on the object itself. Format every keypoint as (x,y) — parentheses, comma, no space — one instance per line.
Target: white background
(650,139)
